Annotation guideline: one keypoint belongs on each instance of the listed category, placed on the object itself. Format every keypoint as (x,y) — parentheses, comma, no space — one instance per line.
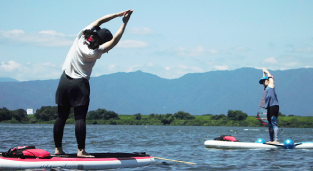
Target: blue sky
(168,38)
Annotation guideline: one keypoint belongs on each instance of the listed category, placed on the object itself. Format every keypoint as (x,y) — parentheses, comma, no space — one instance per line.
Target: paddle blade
(262,117)
(262,113)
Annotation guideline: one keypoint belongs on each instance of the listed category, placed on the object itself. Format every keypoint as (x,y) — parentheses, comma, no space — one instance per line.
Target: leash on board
(173,160)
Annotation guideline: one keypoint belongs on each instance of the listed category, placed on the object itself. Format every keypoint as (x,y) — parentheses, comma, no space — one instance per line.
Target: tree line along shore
(48,114)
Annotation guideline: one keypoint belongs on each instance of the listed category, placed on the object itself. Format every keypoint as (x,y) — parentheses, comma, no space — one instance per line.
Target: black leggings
(272,111)
(80,113)
(272,116)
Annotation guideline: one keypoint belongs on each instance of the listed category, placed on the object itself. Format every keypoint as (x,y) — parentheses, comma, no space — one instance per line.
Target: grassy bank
(203,120)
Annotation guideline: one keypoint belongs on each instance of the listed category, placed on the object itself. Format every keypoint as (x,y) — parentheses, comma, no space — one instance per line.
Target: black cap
(104,35)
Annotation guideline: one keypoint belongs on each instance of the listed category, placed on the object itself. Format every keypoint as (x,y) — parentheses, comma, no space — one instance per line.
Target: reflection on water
(183,143)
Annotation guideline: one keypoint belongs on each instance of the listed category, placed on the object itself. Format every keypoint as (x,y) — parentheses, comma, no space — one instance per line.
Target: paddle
(173,160)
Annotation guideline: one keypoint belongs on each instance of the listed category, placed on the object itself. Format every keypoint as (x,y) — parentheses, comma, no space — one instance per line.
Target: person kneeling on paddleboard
(271,104)
(73,89)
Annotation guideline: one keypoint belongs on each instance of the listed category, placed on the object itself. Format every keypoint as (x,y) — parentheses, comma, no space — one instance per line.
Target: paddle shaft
(174,160)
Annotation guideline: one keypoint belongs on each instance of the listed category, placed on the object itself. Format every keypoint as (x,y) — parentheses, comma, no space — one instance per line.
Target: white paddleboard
(71,161)
(252,145)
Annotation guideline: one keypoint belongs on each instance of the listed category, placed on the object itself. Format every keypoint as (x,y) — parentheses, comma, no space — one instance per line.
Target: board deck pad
(105,155)
(281,144)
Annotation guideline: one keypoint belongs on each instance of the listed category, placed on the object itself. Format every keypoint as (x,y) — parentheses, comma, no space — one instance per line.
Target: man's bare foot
(269,142)
(59,151)
(83,153)
(273,142)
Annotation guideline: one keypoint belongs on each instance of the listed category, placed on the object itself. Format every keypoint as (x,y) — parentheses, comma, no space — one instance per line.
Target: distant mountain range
(5,79)
(213,92)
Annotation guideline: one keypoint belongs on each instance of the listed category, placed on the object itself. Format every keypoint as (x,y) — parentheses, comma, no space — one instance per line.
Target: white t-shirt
(80,59)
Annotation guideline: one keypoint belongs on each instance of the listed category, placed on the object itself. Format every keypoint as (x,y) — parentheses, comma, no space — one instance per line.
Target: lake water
(184,143)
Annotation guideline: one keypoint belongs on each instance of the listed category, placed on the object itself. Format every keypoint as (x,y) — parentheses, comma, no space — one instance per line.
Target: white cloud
(10,66)
(12,32)
(191,68)
(30,71)
(168,72)
(180,70)
(112,66)
(221,67)
(133,68)
(182,66)
(141,30)
(177,71)
(241,48)
(48,38)
(213,51)
(48,64)
(132,44)
(198,51)
(304,50)
(271,60)
(291,64)
(51,32)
